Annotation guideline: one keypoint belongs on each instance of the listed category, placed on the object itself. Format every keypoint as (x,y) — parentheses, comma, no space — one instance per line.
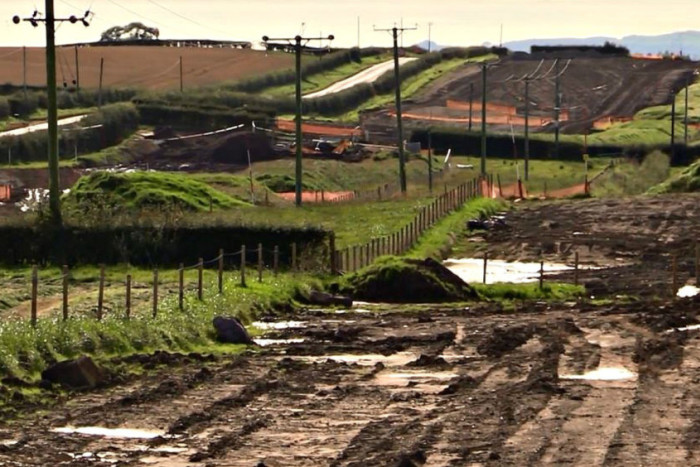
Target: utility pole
(358,32)
(430,45)
(24,72)
(102,69)
(527,127)
(77,70)
(673,126)
(471,102)
(49,23)
(484,67)
(298,46)
(181,86)
(685,118)
(397,82)
(557,108)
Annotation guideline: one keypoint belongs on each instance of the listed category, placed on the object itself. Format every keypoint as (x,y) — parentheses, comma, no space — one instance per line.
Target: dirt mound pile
(395,280)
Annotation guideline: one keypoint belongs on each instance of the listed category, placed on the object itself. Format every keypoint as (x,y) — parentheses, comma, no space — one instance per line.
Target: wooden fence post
(260,262)
(576,268)
(35,286)
(181,286)
(128,296)
(276,259)
(294,257)
(331,241)
(674,275)
(243,266)
(697,264)
(486,260)
(65,293)
(155,293)
(101,292)
(200,278)
(354,257)
(541,274)
(221,270)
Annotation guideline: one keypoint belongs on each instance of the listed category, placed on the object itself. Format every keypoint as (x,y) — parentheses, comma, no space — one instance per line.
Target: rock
(326,299)
(76,374)
(231,331)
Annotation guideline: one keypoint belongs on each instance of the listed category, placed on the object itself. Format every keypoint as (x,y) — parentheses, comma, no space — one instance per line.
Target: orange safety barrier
(5,192)
(319,196)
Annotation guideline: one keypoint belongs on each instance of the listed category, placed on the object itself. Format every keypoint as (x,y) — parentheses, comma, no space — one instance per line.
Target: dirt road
(369,75)
(566,384)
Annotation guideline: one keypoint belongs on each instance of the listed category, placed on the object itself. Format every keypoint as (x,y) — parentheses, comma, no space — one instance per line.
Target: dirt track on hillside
(143,67)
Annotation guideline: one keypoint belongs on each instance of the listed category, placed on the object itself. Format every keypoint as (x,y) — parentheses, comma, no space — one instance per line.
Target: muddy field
(560,384)
(592,88)
(583,383)
(631,241)
(141,67)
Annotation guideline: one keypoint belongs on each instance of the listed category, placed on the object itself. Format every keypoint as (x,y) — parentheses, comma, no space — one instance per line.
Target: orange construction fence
(491,188)
(5,192)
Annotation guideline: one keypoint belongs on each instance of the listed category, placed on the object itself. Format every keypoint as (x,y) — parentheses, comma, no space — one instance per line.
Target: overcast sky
(455,22)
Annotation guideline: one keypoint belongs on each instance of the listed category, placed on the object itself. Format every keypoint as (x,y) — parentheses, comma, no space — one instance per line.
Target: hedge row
(178,116)
(149,246)
(118,122)
(25,105)
(325,63)
(501,145)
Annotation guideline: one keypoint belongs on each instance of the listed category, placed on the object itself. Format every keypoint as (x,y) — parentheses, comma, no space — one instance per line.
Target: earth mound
(398,280)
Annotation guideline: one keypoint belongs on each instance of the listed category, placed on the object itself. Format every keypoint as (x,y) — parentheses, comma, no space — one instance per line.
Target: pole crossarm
(297,52)
(36,18)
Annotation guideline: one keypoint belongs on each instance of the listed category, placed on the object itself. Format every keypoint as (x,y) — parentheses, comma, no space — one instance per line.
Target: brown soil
(144,67)
(633,240)
(439,387)
(592,88)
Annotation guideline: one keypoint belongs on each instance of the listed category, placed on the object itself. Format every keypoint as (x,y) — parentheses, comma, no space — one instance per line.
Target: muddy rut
(569,383)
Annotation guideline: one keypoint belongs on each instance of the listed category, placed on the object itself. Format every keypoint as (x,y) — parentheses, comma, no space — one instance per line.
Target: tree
(132,31)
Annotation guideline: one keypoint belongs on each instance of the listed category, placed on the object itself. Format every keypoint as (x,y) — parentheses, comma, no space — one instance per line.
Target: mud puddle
(604,374)
(472,270)
(278,325)
(396,359)
(123,433)
(272,342)
(688,291)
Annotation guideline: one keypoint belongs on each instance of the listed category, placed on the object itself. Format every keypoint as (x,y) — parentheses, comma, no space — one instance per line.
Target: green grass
(320,81)
(628,177)
(687,180)
(25,351)
(148,189)
(529,291)
(436,242)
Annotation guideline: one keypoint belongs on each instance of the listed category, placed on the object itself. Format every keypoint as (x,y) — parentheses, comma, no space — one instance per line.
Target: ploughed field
(611,382)
(141,66)
(592,89)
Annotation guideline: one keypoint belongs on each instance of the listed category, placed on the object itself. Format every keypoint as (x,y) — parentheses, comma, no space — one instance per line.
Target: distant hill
(433,46)
(687,41)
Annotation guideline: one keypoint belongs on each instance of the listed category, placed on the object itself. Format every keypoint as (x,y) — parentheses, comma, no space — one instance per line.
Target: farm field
(142,67)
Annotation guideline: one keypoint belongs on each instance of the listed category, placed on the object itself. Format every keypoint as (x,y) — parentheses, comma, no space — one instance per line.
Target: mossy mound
(685,182)
(399,280)
(140,190)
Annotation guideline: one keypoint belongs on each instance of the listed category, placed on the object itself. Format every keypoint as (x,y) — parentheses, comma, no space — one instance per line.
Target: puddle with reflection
(125,433)
(693,327)
(277,325)
(270,342)
(472,270)
(688,291)
(604,374)
(403,378)
(396,359)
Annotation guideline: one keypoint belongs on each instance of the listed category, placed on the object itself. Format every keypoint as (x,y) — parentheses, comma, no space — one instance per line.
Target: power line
(135,13)
(169,10)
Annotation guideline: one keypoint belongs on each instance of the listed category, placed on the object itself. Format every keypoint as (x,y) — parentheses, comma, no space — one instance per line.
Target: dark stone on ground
(326,299)
(230,331)
(75,374)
